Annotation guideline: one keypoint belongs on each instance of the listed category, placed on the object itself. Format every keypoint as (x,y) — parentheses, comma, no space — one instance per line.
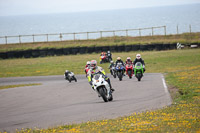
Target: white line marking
(164,84)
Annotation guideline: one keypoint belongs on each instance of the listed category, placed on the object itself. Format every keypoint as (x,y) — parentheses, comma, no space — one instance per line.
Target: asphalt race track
(58,102)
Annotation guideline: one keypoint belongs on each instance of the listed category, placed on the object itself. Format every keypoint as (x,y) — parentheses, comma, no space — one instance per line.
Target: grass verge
(182,69)
(19,85)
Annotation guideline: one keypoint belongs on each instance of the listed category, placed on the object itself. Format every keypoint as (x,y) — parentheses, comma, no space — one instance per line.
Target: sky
(26,7)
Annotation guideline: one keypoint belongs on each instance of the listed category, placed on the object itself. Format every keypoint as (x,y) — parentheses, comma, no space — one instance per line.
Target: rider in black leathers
(120,61)
(139,59)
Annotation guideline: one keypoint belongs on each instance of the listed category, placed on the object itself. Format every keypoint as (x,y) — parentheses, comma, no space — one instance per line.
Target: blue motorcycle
(120,71)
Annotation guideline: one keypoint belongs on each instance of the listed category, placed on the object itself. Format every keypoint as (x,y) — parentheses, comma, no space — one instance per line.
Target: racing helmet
(66,71)
(108,52)
(118,58)
(111,62)
(88,63)
(138,56)
(128,58)
(93,64)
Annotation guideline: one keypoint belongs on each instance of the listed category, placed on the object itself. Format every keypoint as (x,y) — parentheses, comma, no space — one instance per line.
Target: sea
(181,17)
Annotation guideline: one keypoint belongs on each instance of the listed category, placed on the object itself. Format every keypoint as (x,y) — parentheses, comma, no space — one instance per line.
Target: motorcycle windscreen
(96,77)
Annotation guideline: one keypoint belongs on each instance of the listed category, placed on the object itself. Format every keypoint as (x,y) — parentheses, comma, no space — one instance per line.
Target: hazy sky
(20,7)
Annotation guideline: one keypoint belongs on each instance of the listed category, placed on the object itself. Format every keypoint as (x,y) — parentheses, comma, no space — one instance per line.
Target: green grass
(157,61)
(19,85)
(182,72)
(185,38)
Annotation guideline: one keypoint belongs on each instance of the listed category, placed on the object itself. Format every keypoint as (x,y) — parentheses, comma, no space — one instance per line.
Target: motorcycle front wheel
(139,76)
(129,74)
(102,92)
(110,98)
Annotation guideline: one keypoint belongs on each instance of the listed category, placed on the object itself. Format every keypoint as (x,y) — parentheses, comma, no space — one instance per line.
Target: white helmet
(93,64)
(138,56)
(128,58)
(66,71)
(111,62)
(88,63)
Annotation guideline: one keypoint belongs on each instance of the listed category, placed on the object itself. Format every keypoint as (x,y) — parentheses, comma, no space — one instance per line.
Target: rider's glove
(143,66)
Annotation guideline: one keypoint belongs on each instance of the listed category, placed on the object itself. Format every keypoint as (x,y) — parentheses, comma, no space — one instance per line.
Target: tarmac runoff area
(57,102)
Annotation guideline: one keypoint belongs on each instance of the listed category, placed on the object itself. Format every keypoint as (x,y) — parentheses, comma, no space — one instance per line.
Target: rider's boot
(112,89)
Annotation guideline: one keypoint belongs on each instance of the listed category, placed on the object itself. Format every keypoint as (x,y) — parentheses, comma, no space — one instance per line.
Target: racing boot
(112,89)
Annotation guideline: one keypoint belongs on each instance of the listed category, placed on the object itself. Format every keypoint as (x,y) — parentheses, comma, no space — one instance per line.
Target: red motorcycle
(129,70)
(86,70)
(104,58)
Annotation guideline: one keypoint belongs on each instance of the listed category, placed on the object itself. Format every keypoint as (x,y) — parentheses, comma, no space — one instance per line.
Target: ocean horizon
(120,19)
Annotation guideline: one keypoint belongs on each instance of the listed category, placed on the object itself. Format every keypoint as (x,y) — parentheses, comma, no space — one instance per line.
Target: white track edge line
(164,84)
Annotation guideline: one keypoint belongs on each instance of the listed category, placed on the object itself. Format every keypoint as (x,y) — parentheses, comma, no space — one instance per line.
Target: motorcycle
(138,70)
(119,71)
(102,87)
(129,70)
(70,76)
(86,70)
(104,58)
(113,71)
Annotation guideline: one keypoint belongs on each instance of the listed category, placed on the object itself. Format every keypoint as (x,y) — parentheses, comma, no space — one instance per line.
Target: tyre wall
(84,50)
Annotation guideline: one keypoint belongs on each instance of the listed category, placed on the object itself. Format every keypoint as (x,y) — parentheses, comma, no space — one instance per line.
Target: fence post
(177,29)
(190,34)
(126,33)
(87,35)
(47,38)
(74,36)
(19,39)
(101,34)
(152,31)
(165,30)
(6,39)
(140,32)
(60,37)
(33,38)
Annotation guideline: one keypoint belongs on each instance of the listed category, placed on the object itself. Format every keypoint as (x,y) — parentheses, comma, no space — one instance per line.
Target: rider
(110,67)
(66,73)
(120,61)
(88,64)
(94,69)
(87,67)
(139,59)
(109,55)
(103,54)
(128,60)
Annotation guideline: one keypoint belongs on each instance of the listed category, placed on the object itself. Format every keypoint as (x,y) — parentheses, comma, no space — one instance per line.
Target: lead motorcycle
(101,86)
(138,70)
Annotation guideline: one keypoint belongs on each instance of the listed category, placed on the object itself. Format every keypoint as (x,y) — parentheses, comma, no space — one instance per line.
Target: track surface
(58,102)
